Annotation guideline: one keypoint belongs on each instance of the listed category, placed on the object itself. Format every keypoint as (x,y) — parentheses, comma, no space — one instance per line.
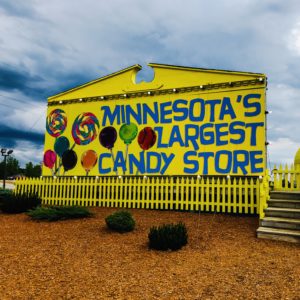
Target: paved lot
(9,184)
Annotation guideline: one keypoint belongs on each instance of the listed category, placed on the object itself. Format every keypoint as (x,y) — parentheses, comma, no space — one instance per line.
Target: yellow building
(297,168)
(187,121)
(297,159)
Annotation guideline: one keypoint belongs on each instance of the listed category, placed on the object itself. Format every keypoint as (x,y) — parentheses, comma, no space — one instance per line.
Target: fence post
(263,194)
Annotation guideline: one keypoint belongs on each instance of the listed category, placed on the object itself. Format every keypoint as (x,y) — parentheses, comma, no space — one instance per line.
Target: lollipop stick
(60,163)
(58,169)
(113,159)
(87,173)
(137,171)
(56,156)
(126,154)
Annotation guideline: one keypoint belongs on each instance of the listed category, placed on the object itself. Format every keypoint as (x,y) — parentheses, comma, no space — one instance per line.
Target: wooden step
(282,212)
(287,223)
(287,235)
(286,203)
(285,195)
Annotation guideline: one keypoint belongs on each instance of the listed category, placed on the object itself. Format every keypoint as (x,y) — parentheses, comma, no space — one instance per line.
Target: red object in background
(49,159)
(147,138)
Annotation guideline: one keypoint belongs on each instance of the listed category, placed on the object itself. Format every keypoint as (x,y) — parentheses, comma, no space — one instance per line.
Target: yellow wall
(208,131)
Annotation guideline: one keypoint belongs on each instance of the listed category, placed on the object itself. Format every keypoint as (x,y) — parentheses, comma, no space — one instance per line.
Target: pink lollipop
(49,159)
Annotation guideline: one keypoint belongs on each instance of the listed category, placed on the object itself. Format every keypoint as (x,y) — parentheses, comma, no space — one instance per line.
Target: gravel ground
(81,259)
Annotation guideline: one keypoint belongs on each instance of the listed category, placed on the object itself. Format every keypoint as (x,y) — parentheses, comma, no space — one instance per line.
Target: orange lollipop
(88,160)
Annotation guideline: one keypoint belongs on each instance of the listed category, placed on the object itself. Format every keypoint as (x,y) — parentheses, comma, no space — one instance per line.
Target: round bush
(56,213)
(120,221)
(19,203)
(168,236)
(3,195)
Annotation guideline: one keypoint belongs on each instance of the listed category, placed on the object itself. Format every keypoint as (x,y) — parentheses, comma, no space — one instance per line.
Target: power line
(18,108)
(9,106)
(36,122)
(9,97)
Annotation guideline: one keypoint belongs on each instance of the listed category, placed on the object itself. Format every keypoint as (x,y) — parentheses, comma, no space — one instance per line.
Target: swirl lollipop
(85,128)
(49,159)
(107,138)
(56,122)
(88,160)
(128,133)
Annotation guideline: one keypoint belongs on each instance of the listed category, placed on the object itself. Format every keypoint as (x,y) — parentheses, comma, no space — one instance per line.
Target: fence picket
(202,186)
(234,203)
(287,179)
(229,195)
(240,196)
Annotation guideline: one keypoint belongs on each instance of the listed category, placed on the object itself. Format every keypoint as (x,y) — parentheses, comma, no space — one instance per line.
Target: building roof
(165,77)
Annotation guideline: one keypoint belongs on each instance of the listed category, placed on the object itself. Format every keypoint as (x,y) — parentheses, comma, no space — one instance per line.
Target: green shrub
(19,203)
(56,213)
(121,221)
(4,194)
(168,236)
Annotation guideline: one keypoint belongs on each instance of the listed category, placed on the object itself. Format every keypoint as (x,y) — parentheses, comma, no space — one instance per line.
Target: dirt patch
(81,259)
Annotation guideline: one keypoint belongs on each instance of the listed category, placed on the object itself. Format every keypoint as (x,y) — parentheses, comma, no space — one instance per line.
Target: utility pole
(5,154)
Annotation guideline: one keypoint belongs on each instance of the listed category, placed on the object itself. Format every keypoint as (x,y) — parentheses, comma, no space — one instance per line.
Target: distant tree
(32,171)
(28,169)
(37,171)
(12,167)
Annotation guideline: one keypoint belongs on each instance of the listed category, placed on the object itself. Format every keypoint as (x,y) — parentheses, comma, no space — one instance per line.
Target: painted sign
(207,133)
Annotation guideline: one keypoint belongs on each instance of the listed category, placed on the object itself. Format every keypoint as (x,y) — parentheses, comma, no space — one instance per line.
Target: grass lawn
(82,259)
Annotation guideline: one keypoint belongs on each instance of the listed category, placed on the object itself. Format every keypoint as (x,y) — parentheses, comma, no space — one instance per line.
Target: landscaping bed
(83,259)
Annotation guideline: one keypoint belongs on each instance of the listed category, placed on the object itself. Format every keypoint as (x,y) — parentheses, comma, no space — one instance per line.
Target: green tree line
(13,168)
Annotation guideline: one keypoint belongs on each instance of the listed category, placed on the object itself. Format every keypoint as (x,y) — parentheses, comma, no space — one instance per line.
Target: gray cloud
(6,134)
(49,46)
(16,78)
(18,8)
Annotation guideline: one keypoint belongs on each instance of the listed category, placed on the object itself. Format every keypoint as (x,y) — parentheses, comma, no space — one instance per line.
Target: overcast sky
(49,46)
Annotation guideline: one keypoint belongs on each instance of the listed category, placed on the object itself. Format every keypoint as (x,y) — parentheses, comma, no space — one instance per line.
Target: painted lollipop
(128,133)
(85,128)
(88,160)
(61,145)
(69,160)
(107,138)
(56,122)
(146,139)
(50,159)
